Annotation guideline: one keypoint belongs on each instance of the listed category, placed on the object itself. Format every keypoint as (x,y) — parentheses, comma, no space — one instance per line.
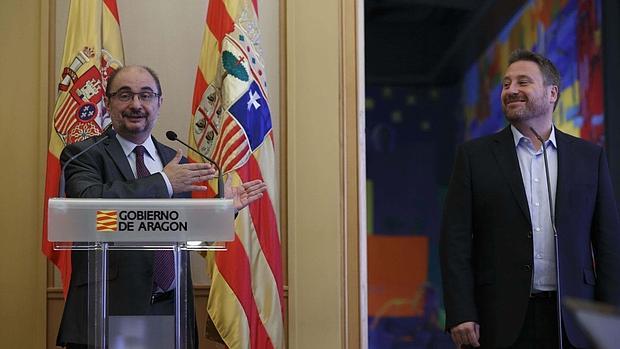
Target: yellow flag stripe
(112,39)
(226,312)
(208,56)
(265,156)
(263,283)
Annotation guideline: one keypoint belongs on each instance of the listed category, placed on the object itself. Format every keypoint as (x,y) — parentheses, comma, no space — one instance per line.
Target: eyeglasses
(143,96)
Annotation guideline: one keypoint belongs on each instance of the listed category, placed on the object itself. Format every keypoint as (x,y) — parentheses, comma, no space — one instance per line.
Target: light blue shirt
(151,159)
(532,166)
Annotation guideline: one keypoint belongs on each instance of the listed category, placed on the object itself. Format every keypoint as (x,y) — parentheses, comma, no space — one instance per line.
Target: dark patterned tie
(163,261)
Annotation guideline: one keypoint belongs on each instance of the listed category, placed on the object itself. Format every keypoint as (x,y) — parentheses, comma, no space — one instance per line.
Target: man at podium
(130,163)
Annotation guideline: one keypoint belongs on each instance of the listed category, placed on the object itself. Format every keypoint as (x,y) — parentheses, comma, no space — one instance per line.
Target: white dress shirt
(151,159)
(532,166)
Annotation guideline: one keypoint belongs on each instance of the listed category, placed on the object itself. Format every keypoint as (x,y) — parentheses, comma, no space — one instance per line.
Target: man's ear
(553,95)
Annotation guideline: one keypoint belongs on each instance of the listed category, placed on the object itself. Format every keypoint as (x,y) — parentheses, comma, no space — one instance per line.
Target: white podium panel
(140,220)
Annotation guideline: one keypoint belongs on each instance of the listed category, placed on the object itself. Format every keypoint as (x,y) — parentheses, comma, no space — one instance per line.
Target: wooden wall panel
(22,136)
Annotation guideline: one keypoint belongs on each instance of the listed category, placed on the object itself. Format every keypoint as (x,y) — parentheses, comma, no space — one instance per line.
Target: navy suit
(486,239)
(104,172)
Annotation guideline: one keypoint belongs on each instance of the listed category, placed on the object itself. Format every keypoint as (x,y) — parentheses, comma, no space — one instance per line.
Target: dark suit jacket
(104,172)
(486,239)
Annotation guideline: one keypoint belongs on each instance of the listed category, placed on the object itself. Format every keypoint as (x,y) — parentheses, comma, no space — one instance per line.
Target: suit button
(526,267)
(529,234)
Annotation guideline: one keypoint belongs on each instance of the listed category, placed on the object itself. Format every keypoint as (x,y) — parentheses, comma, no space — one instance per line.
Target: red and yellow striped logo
(107,220)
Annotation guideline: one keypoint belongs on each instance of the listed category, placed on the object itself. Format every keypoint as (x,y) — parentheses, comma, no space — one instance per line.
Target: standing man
(132,164)
(497,242)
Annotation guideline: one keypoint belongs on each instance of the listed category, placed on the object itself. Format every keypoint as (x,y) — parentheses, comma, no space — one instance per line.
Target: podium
(113,242)
(599,321)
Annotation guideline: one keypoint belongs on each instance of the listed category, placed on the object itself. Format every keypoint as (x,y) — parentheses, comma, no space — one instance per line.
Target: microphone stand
(171,135)
(555,239)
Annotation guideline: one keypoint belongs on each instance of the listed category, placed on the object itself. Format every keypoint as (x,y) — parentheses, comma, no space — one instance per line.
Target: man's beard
(532,109)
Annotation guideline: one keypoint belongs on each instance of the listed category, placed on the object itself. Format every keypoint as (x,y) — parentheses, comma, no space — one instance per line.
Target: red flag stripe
(106,219)
(243,153)
(265,224)
(69,126)
(227,121)
(62,259)
(68,120)
(225,135)
(199,88)
(231,133)
(227,160)
(63,114)
(234,145)
(111,5)
(234,267)
(62,108)
(219,21)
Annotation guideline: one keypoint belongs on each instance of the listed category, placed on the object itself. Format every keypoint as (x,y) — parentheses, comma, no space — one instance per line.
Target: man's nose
(135,101)
(512,88)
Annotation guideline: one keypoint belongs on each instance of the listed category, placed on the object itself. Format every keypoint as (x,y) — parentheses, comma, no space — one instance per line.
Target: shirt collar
(517,136)
(128,146)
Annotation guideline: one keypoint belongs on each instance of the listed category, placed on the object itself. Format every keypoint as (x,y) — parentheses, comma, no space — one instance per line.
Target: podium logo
(107,220)
(140,221)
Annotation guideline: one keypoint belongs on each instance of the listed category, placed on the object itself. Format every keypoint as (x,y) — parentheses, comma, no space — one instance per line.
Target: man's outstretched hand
(244,194)
(186,177)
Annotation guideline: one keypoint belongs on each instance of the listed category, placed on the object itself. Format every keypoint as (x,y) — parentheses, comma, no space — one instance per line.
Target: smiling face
(133,120)
(525,95)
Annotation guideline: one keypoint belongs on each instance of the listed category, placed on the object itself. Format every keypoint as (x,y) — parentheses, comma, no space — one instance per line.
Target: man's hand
(244,194)
(183,176)
(467,333)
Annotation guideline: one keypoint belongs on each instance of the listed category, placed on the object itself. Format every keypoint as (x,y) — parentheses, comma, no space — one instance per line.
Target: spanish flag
(231,123)
(93,49)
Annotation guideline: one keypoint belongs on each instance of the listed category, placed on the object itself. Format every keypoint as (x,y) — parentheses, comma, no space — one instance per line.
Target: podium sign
(140,220)
(114,243)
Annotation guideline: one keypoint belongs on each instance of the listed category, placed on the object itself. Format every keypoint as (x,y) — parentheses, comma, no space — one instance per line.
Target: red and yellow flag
(231,123)
(93,49)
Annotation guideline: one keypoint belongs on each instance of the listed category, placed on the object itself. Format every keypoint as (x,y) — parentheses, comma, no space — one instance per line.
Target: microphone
(555,236)
(61,185)
(171,135)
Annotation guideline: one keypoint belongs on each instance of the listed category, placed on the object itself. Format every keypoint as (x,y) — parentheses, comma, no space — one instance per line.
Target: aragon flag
(231,123)
(93,49)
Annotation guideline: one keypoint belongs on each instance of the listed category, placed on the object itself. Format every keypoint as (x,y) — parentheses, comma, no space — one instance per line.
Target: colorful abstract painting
(569,33)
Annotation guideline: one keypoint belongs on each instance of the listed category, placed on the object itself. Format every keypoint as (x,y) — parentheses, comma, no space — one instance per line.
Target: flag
(231,123)
(93,50)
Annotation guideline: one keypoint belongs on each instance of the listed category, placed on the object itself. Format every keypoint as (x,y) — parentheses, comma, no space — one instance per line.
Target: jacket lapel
(506,155)
(114,149)
(165,154)
(565,163)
